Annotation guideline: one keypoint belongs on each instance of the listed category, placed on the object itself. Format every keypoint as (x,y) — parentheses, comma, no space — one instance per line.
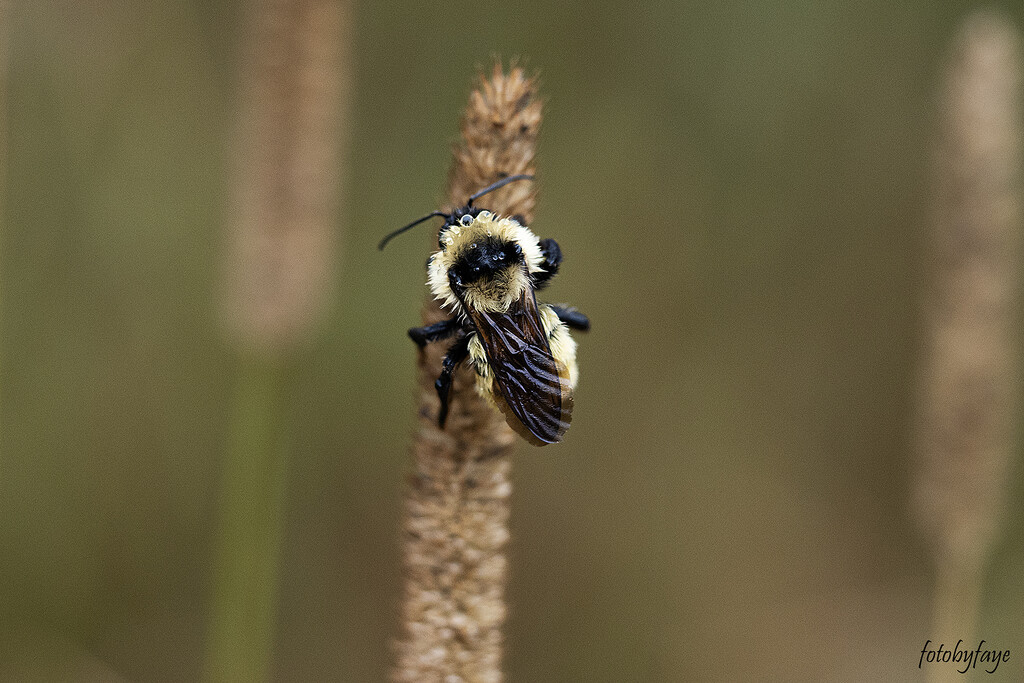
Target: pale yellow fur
(563,346)
(496,294)
(563,349)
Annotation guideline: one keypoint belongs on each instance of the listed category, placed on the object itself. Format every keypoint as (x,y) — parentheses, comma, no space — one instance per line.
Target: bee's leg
(571,317)
(456,354)
(432,333)
(552,259)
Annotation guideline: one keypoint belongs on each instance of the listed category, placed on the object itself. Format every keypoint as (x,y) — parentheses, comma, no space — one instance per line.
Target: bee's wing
(530,385)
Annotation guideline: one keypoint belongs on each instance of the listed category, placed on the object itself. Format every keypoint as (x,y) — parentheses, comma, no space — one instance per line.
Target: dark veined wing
(530,385)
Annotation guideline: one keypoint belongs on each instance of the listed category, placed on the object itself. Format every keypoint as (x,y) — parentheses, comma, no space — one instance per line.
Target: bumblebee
(486,272)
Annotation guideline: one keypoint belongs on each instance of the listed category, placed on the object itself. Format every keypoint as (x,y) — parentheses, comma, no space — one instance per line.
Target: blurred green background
(741,192)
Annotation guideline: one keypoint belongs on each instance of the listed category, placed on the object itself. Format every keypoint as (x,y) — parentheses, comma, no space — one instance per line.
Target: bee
(486,272)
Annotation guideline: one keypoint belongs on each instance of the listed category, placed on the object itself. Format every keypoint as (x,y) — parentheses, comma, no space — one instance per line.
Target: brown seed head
(457,507)
(967,399)
(295,80)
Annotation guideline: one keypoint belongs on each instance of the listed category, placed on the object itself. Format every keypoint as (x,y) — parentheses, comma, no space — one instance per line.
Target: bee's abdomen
(561,343)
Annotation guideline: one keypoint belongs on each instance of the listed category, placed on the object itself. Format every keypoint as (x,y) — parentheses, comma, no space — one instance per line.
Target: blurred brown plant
(294,80)
(457,504)
(286,172)
(967,400)
(5,47)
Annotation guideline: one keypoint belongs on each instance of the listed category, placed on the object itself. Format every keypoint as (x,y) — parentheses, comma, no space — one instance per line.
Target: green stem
(249,534)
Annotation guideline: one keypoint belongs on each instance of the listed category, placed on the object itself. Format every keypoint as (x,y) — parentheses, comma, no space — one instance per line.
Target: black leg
(456,354)
(552,260)
(432,333)
(571,317)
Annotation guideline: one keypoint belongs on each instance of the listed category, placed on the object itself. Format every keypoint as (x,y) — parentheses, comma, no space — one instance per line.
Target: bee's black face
(483,260)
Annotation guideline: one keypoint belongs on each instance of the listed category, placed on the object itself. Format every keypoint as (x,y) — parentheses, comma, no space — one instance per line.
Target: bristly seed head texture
(457,504)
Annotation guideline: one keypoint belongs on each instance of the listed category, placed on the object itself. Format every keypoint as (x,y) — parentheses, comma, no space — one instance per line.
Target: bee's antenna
(501,183)
(469,203)
(416,222)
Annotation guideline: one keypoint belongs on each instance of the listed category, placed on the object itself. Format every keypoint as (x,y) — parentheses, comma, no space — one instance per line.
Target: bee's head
(484,262)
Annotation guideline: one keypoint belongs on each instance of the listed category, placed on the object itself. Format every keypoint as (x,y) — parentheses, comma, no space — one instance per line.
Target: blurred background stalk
(5,47)
(968,402)
(252,501)
(280,255)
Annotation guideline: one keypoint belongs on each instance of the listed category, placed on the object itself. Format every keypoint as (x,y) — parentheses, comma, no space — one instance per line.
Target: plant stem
(250,529)
(294,80)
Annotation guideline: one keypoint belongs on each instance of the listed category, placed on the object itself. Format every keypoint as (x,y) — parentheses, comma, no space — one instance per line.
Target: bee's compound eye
(466,220)
(518,249)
